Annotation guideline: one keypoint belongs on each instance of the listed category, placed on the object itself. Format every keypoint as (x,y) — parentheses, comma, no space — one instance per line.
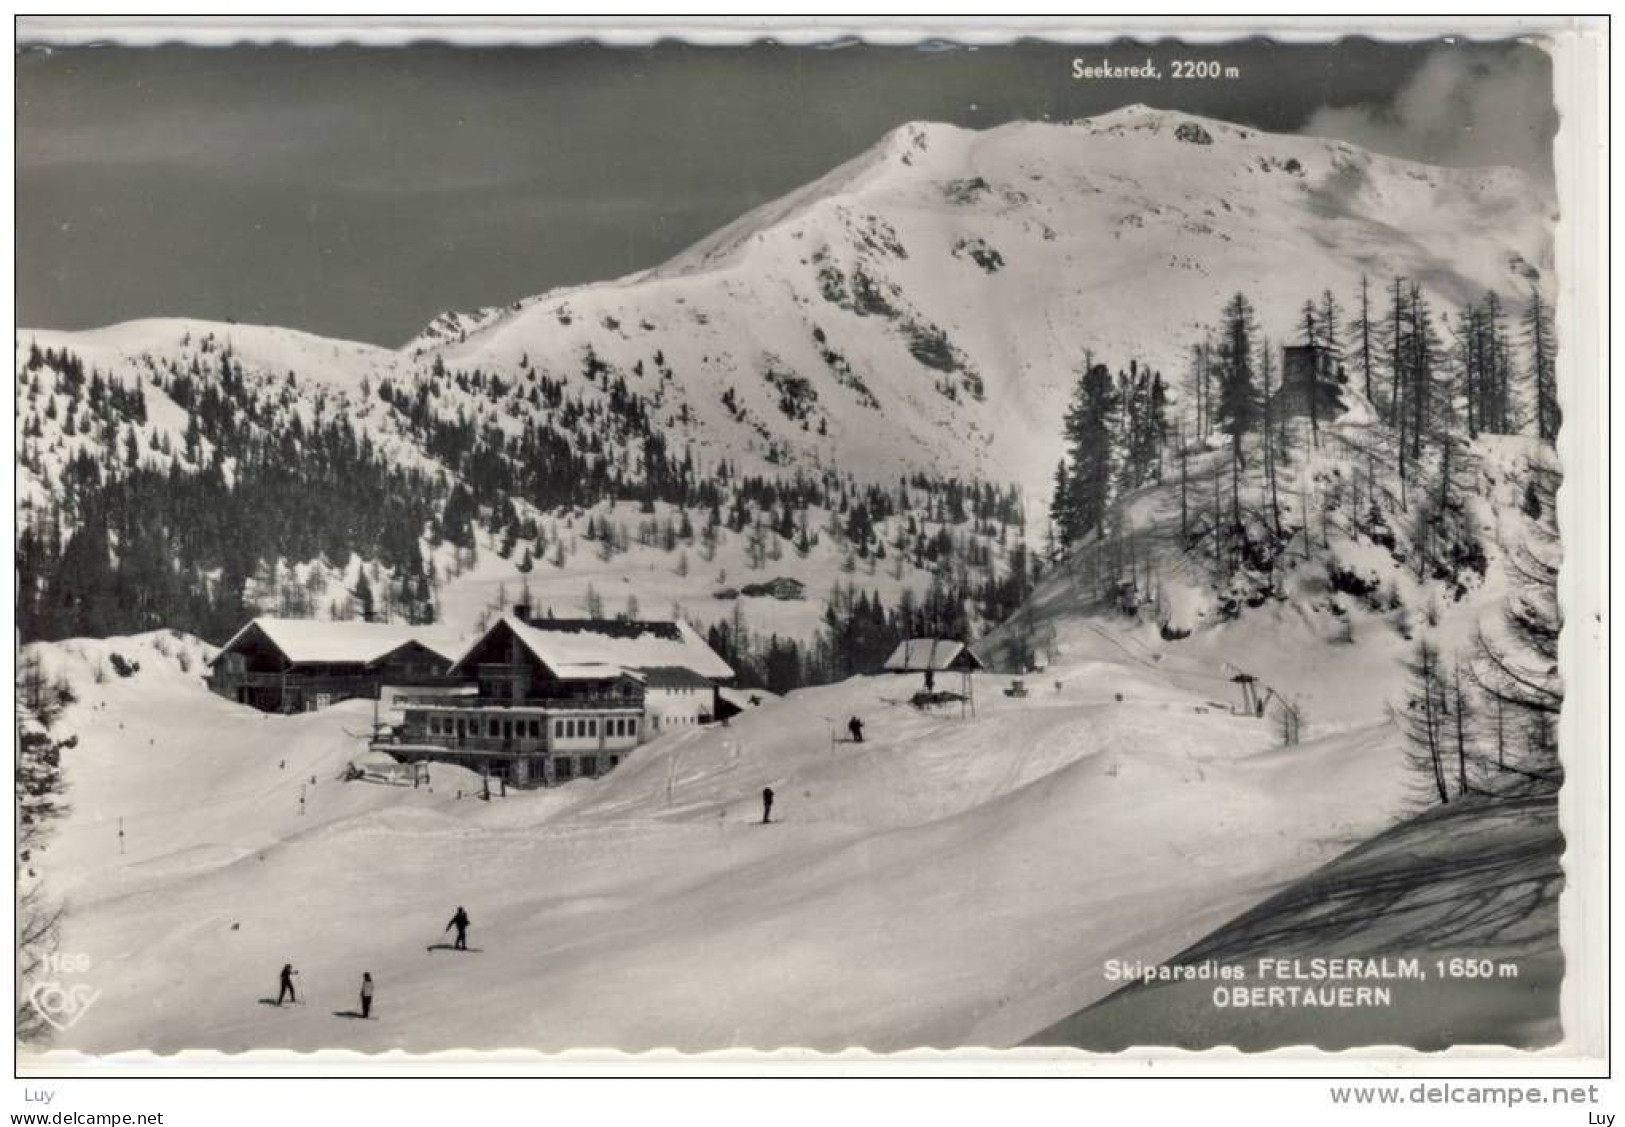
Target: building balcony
(462,745)
(546,704)
(325,682)
(340,684)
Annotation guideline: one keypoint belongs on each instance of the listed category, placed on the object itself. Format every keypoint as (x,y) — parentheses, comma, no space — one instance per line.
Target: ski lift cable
(1148,665)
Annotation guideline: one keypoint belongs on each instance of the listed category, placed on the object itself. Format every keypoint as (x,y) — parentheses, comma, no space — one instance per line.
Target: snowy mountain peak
(943,284)
(919,306)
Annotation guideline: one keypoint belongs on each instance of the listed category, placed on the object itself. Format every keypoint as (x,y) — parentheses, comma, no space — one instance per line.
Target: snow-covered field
(949,882)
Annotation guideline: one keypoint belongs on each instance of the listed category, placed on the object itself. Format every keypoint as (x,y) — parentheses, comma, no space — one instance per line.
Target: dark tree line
(133,544)
(1490,713)
(144,532)
(1116,432)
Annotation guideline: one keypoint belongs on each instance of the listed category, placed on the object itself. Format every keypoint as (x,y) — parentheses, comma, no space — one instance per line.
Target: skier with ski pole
(285,989)
(460,922)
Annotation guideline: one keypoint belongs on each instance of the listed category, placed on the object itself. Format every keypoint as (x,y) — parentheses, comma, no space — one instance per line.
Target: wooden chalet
(297,664)
(934,655)
(559,699)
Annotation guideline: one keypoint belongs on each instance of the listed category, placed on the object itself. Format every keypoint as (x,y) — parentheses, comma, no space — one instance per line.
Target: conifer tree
(1091,433)
(1517,666)
(1239,405)
(1395,353)
(1496,411)
(1361,342)
(1060,509)
(1331,321)
(1424,716)
(1265,368)
(364,597)
(1541,342)
(1463,723)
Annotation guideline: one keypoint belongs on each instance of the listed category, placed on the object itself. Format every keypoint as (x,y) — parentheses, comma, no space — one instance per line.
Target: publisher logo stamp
(62,1003)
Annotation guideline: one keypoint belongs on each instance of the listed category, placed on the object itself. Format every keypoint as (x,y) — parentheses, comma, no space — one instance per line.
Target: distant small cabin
(935,655)
(783,587)
(1310,370)
(300,664)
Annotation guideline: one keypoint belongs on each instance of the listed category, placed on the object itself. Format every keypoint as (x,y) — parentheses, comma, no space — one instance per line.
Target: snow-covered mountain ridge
(922,309)
(926,302)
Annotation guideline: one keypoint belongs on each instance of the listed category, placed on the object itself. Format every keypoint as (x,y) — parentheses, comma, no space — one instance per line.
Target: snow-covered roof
(916,655)
(320,641)
(631,645)
(577,648)
(674,677)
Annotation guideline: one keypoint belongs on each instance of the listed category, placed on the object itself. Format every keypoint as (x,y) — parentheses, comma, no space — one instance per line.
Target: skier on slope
(366,993)
(855,726)
(767,805)
(460,922)
(285,988)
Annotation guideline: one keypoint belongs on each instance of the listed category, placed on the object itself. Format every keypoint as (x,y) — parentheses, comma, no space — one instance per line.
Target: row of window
(565,768)
(586,728)
(513,687)
(585,766)
(674,719)
(507,728)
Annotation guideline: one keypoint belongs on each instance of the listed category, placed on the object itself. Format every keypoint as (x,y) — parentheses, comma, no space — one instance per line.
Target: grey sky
(359,192)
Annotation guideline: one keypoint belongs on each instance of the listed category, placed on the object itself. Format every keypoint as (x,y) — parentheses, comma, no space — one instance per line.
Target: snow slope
(1475,883)
(196,795)
(950,881)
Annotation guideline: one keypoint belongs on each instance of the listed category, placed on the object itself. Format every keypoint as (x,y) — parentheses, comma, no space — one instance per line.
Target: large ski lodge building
(559,699)
(531,702)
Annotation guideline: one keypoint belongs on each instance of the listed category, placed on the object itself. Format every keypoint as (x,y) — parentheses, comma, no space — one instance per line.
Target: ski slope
(948,882)
(1475,882)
